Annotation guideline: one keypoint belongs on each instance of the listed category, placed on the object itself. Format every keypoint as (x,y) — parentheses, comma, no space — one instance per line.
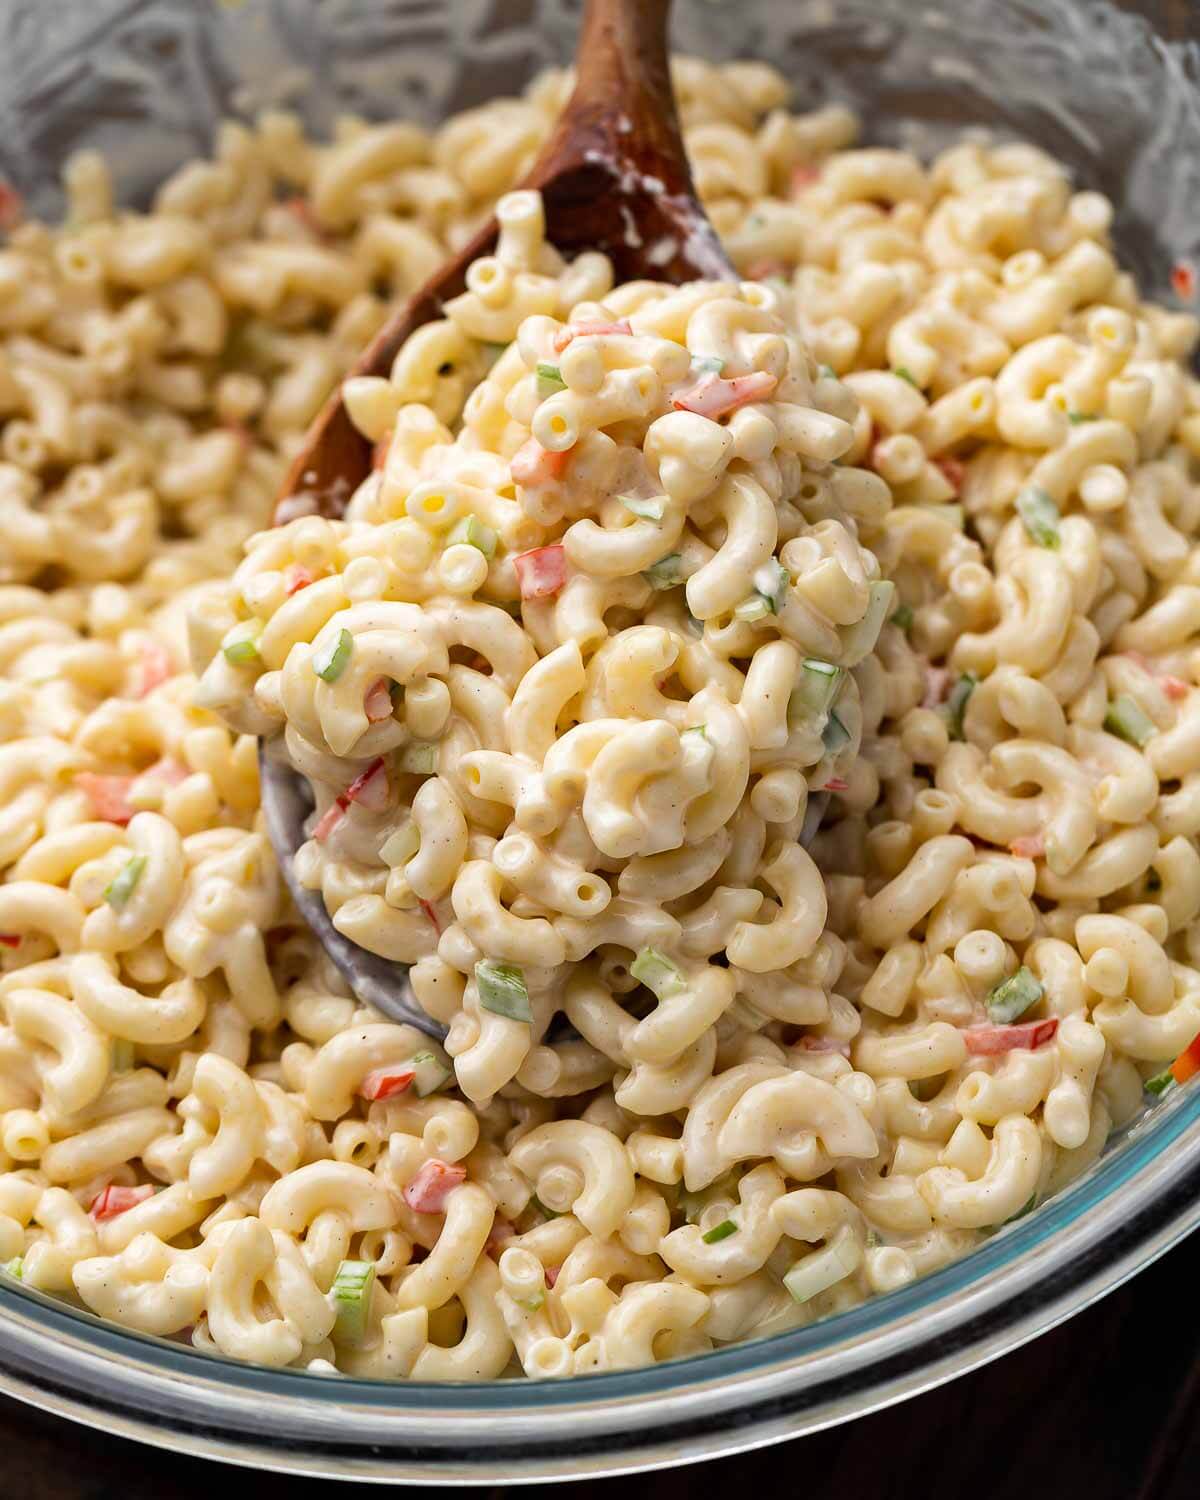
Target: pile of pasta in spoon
(643,577)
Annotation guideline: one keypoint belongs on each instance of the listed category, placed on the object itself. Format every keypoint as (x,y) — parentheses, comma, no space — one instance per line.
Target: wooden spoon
(613,177)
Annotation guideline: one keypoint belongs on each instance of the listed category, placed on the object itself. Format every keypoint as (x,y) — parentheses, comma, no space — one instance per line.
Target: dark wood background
(1106,1407)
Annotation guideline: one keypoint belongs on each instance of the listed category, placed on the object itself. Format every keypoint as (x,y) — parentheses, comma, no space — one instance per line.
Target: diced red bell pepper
(431,1187)
(836,784)
(1187,1064)
(156,668)
(1175,687)
(296,578)
(1028,846)
(541,572)
(824,1044)
(386,1083)
(378,703)
(768,266)
(501,1233)
(109,795)
(532,464)
(937,681)
(12,207)
(713,396)
(10,939)
(379,452)
(803,177)
(302,211)
(1183,280)
(552,1274)
(990,1041)
(432,916)
(331,817)
(587,330)
(114,1200)
(954,471)
(370,787)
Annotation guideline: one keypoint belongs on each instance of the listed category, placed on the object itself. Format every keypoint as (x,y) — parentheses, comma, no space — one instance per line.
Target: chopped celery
(1160,1083)
(351,1294)
(666,573)
(1039,515)
(707,364)
(719,1232)
(1128,721)
(12,1268)
(695,729)
(826,372)
(955,705)
(656,971)
(822,1269)
(648,510)
(1076,417)
(419,758)
(119,889)
(858,640)
(751,609)
(243,645)
(772,581)
(1013,996)
(471,532)
(329,662)
(816,689)
(399,847)
(905,374)
(502,990)
(431,1073)
(834,735)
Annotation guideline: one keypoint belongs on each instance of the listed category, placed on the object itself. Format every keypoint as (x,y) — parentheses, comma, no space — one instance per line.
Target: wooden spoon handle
(619,138)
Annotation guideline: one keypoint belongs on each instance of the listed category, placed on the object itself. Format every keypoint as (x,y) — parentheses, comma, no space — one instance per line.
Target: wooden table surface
(1106,1407)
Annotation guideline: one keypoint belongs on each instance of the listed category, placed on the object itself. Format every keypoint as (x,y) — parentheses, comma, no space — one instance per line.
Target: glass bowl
(145,81)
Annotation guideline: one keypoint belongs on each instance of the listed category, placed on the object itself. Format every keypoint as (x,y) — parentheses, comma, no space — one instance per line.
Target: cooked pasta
(905,518)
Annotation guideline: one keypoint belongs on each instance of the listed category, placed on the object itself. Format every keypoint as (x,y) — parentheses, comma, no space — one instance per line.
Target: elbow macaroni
(904,515)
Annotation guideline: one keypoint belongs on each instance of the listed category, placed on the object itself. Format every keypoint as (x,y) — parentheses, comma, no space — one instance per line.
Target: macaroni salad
(903,520)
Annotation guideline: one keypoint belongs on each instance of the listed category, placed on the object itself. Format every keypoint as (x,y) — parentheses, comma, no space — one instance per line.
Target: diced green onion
(399,847)
(546,1213)
(751,609)
(656,971)
(549,379)
(351,1293)
(905,374)
(858,640)
(772,581)
(649,510)
(122,1055)
(955,705)
(498,348)
(708,364)
(826,372)
(470,531)
(1160,1083)
(532,1304)
(872,1241)
(1128,721)
(719,1232)
(834,735)
(902,618)
(431,1073)
(12,1268)
(1040,516)
(330,661)
(502,990)
(1013,996)
(1076,417)
(419,758)
(816,690)
(243,647)
(119,889)
(666,573)
(695,729)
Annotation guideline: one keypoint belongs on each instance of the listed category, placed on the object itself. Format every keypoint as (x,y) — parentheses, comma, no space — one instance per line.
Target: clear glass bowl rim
(1141,1198)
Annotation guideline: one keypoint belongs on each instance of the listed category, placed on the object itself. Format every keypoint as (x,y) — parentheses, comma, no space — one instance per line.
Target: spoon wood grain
(613,177)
